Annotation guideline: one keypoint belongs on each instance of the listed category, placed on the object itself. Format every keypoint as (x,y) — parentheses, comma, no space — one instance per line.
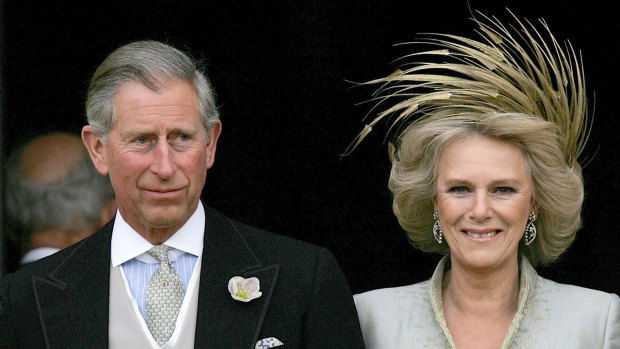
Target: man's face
(157,156)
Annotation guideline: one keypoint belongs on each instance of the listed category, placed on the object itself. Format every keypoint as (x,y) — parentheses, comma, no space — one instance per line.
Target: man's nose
(163,163)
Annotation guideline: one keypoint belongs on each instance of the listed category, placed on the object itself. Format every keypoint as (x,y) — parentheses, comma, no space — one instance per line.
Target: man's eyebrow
(181,129)
(134,132)
(141,131)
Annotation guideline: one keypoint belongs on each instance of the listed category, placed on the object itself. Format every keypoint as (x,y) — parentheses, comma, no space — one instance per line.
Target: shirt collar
(128,244)
(37,253)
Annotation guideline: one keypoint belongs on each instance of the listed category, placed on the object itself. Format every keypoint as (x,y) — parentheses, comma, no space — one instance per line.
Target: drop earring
(437,233)
(530,229)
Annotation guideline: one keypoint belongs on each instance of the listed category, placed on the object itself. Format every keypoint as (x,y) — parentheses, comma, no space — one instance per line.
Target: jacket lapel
(223,322)
(73,299)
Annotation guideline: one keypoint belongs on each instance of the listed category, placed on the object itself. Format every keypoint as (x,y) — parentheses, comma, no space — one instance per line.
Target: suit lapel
(223,322)
(73,299)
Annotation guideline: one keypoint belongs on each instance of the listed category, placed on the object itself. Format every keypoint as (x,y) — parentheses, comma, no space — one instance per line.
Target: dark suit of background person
(63,300)
(54,195)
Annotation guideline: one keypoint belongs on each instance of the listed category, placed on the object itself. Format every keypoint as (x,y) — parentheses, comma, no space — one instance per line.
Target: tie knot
(160,252)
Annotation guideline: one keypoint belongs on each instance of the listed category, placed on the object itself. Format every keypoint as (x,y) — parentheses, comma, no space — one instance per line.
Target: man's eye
(142,140)
(179,139)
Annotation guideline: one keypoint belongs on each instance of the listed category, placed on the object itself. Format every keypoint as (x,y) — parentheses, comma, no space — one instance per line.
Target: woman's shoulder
(562,299)
(572,295)
(396,305)
(579,314)
(399,296)
(398,317)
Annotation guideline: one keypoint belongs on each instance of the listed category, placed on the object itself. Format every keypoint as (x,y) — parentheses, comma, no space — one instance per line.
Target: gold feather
(509,69)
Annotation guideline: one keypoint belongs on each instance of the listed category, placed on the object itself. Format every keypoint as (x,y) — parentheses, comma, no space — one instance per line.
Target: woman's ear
(534,207)
(96,149)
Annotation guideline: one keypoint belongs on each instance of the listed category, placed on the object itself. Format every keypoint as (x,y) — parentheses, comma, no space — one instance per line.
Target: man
(54,195)
(169,272)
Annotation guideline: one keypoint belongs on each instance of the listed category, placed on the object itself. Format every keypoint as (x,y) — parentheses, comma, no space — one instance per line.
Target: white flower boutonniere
(243,289)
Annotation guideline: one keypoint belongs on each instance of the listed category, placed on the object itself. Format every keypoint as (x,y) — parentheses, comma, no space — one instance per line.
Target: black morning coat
(62,301)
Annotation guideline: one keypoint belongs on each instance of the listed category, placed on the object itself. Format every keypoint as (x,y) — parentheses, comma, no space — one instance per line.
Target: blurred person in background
(54,195)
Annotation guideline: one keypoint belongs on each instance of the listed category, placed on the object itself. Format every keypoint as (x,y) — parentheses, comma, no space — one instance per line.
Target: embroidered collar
(527,283)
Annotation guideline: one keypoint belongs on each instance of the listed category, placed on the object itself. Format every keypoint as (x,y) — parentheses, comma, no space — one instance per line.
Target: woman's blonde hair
(511,86)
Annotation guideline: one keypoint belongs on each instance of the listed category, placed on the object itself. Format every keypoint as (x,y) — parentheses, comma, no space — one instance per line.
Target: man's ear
(96,149)
(214,135)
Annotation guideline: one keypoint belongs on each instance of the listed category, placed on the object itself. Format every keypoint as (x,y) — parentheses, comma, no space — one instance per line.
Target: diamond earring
(530,229)
(437,233)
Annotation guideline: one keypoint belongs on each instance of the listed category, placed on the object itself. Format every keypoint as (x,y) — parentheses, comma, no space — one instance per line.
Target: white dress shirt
(130,250)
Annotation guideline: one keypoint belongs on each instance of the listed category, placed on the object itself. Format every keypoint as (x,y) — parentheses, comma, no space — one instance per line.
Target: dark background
(282,72)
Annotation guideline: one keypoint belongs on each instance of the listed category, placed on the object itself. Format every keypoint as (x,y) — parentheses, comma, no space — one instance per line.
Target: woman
(487,175)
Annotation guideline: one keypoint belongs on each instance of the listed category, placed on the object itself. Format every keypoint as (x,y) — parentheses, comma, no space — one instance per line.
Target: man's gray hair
(152,64)
(73,202)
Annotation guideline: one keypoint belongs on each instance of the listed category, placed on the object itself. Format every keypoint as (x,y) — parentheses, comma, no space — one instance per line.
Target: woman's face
(484,196)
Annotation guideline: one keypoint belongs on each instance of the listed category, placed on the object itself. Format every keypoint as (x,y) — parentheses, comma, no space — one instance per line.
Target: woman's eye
(460,189)
(505,190)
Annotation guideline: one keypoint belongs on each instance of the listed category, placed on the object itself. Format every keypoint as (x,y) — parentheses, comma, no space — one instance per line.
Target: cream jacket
(550,315)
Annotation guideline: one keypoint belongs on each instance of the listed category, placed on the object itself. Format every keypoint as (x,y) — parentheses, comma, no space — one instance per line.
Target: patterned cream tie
(164,295)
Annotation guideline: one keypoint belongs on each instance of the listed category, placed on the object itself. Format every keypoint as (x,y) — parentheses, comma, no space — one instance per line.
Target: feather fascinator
(509,70)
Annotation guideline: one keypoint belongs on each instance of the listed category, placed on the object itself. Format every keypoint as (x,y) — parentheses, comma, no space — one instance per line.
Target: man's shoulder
(298,263)
(256,236)
(265,242)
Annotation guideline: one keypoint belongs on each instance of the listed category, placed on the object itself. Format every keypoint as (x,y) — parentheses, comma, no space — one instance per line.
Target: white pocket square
(266,343)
